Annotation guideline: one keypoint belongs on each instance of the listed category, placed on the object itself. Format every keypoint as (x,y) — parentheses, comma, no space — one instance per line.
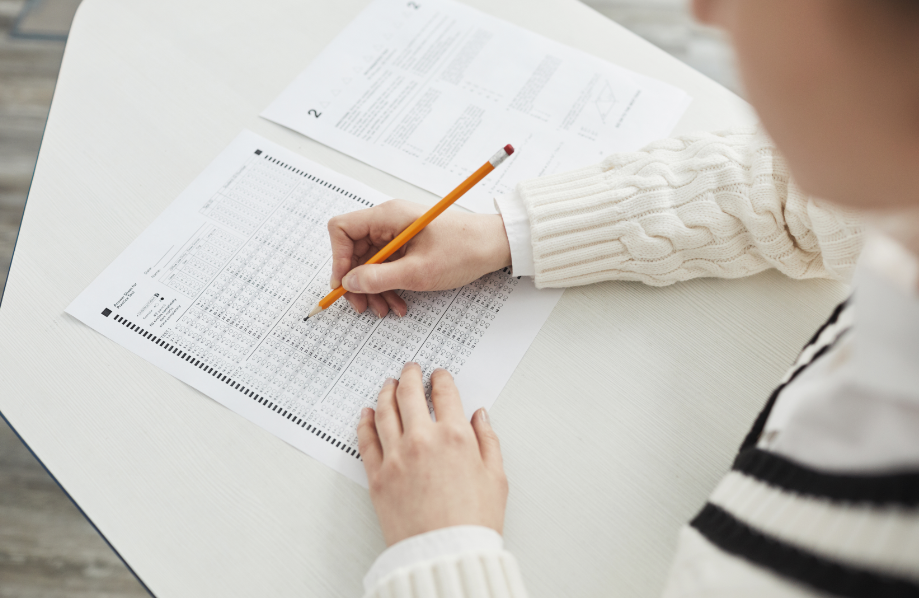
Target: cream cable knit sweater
(709,204)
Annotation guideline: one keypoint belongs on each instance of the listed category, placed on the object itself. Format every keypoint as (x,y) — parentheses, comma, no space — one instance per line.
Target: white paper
(428,90)
(215,292)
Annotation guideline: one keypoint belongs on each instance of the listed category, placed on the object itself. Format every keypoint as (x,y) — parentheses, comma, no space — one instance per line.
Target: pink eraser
(509,149)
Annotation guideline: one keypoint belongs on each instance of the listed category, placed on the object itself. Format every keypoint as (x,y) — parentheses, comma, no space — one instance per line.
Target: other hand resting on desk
(427,475)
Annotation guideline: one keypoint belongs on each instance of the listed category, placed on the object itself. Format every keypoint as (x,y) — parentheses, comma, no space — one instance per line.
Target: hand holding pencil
(454,249)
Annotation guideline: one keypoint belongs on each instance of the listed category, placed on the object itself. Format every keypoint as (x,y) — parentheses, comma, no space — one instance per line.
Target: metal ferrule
(500,156)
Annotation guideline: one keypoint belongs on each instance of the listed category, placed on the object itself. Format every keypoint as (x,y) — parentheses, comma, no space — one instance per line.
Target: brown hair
(896,21)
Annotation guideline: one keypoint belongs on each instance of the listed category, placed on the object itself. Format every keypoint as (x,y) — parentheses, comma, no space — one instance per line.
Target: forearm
(705,205)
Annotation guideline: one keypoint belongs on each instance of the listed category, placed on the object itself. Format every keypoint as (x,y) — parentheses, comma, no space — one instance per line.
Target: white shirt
(517,226)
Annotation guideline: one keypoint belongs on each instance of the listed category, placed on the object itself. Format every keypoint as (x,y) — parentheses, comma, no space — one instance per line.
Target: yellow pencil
(418,225)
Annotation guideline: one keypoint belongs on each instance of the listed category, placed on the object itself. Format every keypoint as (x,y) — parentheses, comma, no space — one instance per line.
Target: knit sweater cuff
(478,574)
(711,204)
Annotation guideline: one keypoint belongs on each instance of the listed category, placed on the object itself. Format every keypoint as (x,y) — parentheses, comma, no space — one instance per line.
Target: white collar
(886,344)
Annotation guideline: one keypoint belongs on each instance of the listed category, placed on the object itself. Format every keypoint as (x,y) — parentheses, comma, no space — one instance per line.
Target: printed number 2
(314,113)
(413,5)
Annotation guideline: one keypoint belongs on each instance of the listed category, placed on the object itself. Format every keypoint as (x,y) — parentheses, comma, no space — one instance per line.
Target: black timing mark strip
(234,384)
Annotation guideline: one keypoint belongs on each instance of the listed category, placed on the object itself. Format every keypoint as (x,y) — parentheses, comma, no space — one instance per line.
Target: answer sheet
(427,90)
(215,292)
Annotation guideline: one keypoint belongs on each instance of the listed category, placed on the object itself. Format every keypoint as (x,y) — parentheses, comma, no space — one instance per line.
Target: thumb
(388,276)
(489,445)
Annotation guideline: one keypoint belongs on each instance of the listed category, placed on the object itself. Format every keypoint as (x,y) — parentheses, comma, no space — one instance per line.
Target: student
(822,498)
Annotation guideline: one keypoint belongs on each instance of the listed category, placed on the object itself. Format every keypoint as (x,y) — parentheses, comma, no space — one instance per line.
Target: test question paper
(215,292)
(427,90)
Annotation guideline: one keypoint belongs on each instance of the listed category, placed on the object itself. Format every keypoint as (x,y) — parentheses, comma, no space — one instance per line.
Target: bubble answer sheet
(215,292)
(424,89)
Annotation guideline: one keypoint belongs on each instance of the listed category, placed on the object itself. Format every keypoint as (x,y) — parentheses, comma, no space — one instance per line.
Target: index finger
(368,441)
(378,225)
(344,230)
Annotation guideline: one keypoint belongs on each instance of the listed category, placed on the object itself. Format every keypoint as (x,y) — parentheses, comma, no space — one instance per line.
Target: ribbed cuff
(572,219)
(432,545)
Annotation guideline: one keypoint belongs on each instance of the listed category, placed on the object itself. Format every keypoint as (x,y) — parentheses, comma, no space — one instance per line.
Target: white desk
(617,424)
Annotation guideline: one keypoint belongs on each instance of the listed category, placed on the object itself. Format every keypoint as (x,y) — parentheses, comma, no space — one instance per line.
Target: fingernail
(379,313)
(351,284)
(441,370)
(415,363)
(365,413)
(389,382)
(334,283)
(483,415)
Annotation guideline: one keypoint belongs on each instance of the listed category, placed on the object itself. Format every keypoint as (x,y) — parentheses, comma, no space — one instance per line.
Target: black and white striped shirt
(823,496)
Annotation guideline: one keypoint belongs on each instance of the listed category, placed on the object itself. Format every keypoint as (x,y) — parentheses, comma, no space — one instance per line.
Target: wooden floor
(47,548)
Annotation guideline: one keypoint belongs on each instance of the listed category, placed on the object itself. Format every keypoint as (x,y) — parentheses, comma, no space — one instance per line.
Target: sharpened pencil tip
(313,312)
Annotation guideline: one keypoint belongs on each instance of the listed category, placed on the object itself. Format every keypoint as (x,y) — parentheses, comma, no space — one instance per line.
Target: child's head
(836,84)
